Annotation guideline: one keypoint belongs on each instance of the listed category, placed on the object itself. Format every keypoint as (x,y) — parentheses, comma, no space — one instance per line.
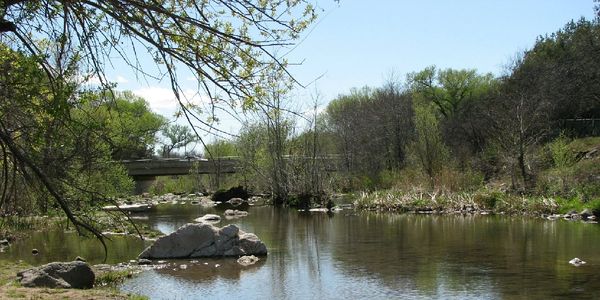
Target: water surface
(367,255)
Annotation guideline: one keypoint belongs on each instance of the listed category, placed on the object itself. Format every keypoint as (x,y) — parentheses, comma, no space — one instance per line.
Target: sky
(360,43)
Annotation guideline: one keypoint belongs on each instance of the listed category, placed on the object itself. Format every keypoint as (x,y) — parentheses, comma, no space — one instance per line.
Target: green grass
(112,278)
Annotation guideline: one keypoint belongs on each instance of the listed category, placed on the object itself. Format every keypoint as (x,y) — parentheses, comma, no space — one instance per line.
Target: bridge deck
(165,167)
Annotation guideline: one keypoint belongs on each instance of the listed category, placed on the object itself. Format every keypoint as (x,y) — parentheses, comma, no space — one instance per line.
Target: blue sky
(361,42)
(358,42)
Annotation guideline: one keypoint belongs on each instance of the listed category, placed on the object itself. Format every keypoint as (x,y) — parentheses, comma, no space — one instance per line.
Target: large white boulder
(205,240)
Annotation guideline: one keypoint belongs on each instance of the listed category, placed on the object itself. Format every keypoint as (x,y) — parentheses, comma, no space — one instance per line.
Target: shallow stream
(351,255)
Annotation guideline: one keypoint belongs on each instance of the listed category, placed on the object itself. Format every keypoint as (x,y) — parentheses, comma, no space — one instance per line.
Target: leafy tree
(227,45)
(449,90)
(429,146)
(178,136)
(125,122)
(51,149)
(568,64)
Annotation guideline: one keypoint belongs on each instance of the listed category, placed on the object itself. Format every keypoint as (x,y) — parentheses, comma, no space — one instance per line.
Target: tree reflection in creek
(371,255)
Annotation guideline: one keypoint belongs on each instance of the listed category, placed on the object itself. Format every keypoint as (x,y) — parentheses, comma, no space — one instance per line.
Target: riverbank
(11,289)
(485,201)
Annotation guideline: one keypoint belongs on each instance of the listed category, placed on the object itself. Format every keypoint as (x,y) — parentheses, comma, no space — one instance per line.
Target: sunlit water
(360,256)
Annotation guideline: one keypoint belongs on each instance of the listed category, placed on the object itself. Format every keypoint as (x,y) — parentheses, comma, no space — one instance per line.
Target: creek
(350,255)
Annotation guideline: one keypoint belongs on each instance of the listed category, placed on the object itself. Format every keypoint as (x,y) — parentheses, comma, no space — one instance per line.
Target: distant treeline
(442,128)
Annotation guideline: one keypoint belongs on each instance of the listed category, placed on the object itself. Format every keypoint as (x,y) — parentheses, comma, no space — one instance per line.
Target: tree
(178,136)
(372,128)
(429,146)
(51,149)
(569,62)
(228,46)
(125,122)
(518,118)
(449,90)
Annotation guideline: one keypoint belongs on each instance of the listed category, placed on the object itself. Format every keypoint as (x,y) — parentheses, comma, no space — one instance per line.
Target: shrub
(594,206)
(562,156)
(486,200)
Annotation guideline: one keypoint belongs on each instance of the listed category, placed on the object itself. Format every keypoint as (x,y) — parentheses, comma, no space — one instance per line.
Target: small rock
(247,260)
(577,262)
(235,201)
(585,214)
(35,251)
(79,258)
(322,209)
(4,243)
(206,264)
(217,265)
(208,218)
(235,213)
(143,261)
(162,261)
(183,267)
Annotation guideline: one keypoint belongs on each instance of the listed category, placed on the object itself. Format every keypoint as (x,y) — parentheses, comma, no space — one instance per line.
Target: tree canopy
(227,46)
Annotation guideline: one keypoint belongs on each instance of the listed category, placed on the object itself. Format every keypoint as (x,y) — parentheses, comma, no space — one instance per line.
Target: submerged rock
(247,260)
(76,274)
(205,240)
(235,213)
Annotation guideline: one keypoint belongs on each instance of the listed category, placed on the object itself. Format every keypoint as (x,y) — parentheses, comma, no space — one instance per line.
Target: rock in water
(577,262)
(205,240)
(247,260)
(208,218)
(76,274)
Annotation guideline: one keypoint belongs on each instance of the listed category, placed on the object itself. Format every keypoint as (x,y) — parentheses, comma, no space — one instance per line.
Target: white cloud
(163,101)
(121,79)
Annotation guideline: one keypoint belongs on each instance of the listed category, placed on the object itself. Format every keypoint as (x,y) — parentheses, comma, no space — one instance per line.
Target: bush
(562,156)
(486,200)
(595,207)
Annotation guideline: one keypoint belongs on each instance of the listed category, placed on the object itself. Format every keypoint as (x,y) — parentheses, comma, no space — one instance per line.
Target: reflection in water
(372,255)
(57,245)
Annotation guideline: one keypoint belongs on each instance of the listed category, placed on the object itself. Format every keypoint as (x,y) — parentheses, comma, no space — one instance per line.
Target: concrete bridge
(145,171)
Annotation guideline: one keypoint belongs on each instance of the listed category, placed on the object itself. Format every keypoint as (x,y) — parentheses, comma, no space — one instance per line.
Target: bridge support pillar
(143,184)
